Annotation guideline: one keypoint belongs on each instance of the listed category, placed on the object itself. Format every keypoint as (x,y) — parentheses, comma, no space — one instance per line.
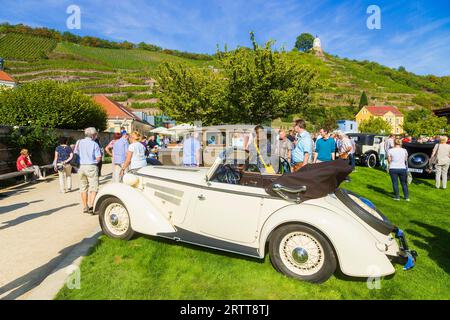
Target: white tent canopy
(162,131)
(182,127)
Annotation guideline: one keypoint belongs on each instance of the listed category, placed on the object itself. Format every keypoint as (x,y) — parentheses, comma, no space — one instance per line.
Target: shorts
(88,178)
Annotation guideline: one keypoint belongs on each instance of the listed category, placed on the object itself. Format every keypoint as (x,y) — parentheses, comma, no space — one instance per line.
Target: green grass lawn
(147,268)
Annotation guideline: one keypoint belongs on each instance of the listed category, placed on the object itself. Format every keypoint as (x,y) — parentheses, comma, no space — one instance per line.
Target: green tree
(375,125)
(304,42)
(191,94)
(363,101)
(48,104)
(250,86)
(422,121)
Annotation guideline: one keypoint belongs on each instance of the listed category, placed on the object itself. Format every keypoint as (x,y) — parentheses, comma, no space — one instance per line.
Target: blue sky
(414,34)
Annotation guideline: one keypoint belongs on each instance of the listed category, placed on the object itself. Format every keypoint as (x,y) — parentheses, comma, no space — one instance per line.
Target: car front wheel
(301,252)
(372,160)
(115,220)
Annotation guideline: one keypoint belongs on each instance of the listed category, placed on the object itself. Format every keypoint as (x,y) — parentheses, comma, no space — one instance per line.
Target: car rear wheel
(115,220)
(301,252)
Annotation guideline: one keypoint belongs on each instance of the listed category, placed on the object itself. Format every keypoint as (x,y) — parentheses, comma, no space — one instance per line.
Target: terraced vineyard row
(25,47)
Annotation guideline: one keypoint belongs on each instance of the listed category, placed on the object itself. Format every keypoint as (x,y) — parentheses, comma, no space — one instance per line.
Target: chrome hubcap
(114,219)
(300,255)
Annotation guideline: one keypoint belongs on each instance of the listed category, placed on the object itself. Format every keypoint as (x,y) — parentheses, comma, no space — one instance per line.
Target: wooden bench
(25,174)
(12,175)
(45,168)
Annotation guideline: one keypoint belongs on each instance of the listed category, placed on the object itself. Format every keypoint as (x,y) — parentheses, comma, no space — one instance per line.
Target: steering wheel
(228,174)
(285,166)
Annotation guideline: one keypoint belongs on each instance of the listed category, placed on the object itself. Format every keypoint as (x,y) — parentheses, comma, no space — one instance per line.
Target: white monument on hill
(317,47)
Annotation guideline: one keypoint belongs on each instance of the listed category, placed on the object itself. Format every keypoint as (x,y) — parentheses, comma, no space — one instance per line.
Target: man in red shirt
(24,163)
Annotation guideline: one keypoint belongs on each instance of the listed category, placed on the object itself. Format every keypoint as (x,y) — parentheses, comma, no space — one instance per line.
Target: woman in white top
(398,159)
(136,158)
(442,153)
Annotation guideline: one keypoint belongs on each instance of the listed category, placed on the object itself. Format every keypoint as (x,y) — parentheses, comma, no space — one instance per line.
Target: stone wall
(9,154)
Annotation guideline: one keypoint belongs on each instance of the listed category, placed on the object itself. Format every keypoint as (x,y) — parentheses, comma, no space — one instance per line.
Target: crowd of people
(296,147)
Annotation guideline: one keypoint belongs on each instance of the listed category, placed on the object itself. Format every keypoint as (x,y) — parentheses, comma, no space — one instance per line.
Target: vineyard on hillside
(127,76)
(121,58)
(25,47)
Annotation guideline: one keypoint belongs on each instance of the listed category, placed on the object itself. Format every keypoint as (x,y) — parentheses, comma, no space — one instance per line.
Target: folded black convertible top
(319,179)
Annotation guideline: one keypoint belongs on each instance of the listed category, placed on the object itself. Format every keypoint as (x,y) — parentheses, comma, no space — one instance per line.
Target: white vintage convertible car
(303,220)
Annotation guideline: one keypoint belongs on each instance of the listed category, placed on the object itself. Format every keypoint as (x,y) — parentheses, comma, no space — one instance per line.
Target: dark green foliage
(39,141)
(423,122)
(364,101)
(304,42)
(375,125)
(48,104)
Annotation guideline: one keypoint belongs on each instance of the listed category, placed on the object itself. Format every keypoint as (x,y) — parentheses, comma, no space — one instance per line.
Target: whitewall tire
(301,252)
(115,220)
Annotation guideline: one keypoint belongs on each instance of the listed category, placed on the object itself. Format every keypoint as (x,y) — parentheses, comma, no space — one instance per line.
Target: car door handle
(201,197)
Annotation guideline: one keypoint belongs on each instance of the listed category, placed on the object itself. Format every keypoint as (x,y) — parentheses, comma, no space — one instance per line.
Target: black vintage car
(367,148)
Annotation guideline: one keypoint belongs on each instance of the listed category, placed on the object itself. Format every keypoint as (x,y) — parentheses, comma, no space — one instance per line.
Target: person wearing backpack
(61,163)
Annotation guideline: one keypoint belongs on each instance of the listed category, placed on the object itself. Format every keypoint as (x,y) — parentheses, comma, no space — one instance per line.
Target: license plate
(415,170)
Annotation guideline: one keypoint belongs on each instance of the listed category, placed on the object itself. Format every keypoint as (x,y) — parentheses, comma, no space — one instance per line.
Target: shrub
(50,105)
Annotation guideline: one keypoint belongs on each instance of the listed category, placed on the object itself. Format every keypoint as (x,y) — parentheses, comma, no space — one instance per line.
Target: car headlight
(131,180)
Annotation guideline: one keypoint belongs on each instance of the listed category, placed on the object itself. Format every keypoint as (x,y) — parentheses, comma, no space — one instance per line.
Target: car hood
(182,174)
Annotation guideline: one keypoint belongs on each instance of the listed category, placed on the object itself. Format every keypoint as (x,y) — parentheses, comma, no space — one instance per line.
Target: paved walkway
(39,228)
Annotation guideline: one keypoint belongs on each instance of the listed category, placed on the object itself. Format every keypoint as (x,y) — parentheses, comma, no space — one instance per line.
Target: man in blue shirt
(119,153)
(303,149)
(325,148)
(90,155)
(192,151)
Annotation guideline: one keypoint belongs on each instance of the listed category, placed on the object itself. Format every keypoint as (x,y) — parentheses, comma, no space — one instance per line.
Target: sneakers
(397,199)
(86,210)
(407,199)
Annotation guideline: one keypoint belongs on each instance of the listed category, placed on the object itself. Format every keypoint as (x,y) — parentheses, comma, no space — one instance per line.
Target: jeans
(383,161)
(351,158)
(401,174)
(442,171)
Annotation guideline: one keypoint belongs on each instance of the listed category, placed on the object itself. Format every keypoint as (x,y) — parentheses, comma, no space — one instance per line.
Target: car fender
(144,216)
(355,247)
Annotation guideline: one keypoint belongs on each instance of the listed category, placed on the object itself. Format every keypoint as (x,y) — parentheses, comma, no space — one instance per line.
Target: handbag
(343,156)
(75,162)
(433,161)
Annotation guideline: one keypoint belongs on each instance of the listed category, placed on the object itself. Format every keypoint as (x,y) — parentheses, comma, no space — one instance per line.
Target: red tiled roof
(6,77)
(114,109)
(382,110)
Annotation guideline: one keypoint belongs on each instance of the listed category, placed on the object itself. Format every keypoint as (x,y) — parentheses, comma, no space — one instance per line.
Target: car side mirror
(282,190)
